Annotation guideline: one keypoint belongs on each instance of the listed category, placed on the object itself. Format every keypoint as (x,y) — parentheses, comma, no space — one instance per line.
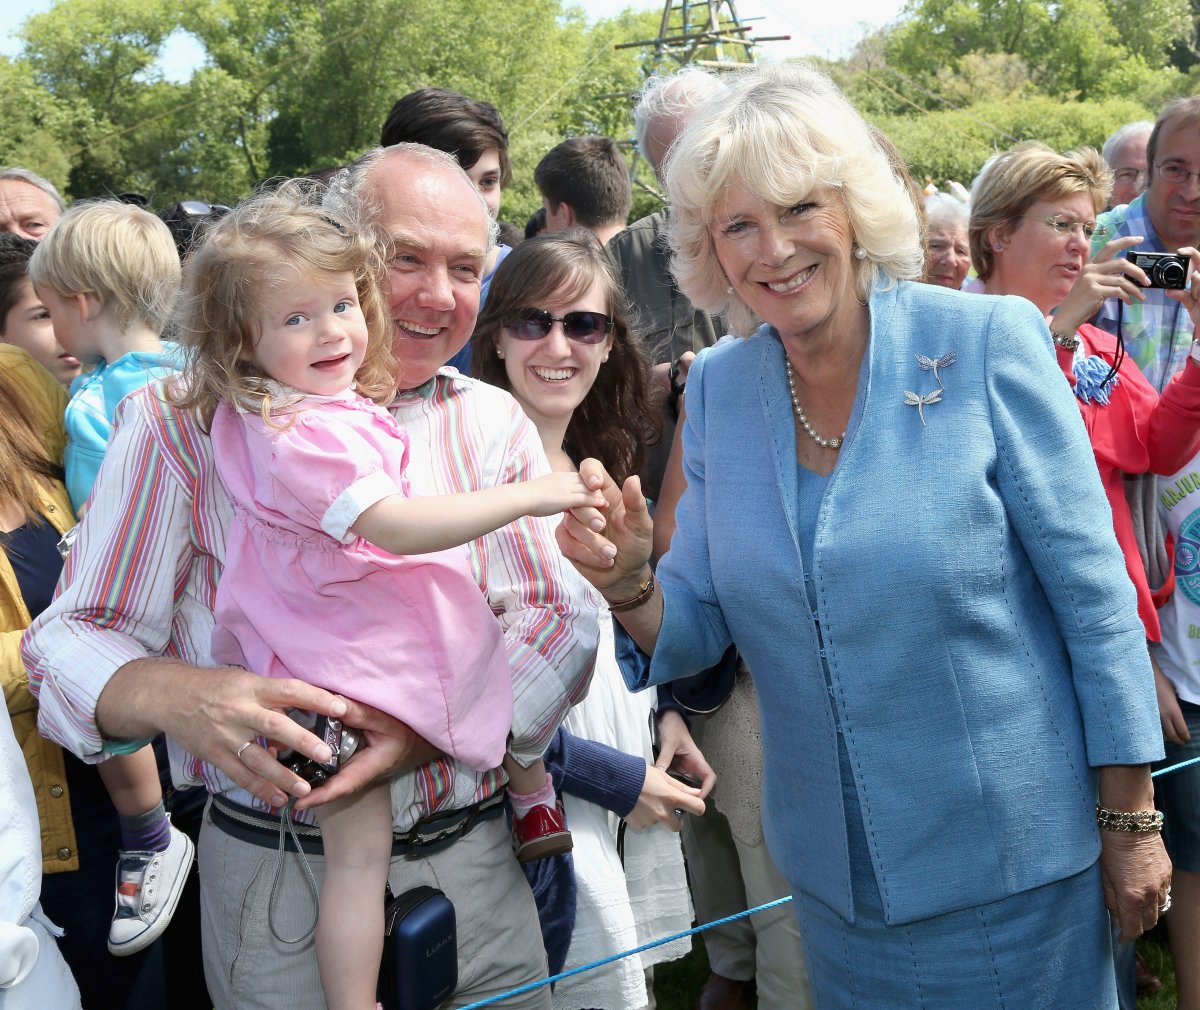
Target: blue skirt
(1043,949)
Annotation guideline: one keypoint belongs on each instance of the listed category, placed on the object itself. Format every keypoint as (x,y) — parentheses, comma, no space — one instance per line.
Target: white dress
(619,908)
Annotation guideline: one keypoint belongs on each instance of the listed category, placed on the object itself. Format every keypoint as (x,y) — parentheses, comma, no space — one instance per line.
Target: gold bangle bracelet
(1136,821)
(645,591)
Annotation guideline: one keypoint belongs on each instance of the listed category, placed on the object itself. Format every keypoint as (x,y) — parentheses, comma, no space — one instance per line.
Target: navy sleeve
(595,772)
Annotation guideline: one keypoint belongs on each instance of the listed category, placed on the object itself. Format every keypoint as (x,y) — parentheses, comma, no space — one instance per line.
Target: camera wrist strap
(286,824)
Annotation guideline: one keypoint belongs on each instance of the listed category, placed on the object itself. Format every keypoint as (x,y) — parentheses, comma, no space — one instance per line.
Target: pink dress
(303,597)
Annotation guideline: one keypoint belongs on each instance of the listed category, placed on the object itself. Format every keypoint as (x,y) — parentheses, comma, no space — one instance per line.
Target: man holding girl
(96,655)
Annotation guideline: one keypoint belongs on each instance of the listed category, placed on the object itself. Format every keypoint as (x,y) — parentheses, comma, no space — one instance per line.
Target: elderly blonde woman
(948,257)
(884,484)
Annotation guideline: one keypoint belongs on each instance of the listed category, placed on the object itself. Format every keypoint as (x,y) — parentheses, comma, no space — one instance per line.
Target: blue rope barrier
(617,957)
(521,990)
(1174,768)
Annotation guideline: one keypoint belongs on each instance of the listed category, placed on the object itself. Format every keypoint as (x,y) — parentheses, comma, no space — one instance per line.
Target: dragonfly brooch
(928,364)
(921,402)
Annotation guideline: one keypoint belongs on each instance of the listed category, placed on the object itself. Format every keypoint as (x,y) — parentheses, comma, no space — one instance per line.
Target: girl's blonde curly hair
(217,318)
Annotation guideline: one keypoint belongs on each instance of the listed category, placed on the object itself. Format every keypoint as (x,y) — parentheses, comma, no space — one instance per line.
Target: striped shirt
(141,579)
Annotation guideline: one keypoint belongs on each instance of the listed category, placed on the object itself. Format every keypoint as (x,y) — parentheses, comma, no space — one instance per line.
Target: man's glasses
(582,327)
(1129,176)
(1174,172)
(1064,226)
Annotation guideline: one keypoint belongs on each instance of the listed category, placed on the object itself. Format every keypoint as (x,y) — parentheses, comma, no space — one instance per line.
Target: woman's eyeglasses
(582,327)
(1063,226)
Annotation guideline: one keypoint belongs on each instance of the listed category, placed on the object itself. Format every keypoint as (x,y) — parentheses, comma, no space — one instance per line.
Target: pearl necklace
(824,443)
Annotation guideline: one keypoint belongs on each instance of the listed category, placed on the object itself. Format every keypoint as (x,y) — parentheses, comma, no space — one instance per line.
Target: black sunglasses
(582,327)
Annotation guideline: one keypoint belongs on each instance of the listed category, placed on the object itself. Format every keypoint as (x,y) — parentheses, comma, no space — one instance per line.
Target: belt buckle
(419,844)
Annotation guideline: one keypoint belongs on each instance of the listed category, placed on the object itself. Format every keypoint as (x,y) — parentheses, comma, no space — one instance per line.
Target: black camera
(341,740)
(1165,270)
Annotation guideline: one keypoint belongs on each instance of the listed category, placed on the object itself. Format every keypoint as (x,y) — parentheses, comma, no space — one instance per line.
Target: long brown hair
(25,468)
(616,422)
(217,317)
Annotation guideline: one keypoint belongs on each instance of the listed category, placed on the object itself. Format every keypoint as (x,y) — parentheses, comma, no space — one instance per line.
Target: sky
(817,29)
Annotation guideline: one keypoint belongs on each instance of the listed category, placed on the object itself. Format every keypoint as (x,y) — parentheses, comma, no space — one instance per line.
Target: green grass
(677,983)
(1157,956)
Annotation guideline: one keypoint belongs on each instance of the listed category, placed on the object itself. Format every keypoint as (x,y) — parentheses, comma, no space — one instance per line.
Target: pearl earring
(860,253)
(499,353)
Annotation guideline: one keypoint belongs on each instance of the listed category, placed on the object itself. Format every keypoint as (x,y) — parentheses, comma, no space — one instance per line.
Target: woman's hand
(1136,873)
(610,547)
(661,800)
(1134,868)
(1108,275)
(677,751)
(1189,298)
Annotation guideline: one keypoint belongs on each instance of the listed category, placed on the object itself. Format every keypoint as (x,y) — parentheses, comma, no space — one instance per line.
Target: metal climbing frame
(707,34)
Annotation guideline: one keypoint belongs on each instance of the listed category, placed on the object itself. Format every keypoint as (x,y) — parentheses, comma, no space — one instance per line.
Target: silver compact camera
(341,740)
(1165,270)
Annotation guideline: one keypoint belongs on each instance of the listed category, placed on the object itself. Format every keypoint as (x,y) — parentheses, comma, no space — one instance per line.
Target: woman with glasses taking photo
(1033,219)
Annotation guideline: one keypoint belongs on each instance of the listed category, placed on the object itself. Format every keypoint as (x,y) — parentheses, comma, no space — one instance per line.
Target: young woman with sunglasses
(554,333)
(1033,216)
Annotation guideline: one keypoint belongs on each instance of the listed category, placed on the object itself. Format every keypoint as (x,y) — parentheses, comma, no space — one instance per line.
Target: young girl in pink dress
(290,335)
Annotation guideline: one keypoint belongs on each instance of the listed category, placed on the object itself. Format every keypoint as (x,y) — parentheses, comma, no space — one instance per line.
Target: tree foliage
(954,81)
(1071,47)
(289,86)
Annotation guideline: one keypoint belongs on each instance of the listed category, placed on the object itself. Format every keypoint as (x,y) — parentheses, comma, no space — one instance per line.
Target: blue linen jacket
(981,635)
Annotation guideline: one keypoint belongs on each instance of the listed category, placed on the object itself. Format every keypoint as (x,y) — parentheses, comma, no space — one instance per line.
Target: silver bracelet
(1067,341)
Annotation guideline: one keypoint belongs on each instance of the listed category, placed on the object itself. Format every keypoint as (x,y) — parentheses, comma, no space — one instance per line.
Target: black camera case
(419,970)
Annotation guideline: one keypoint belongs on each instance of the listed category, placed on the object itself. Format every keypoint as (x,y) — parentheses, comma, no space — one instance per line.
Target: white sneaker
(149,885)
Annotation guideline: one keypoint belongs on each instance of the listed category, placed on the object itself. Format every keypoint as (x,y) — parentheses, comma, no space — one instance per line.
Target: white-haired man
(29,204)
(1125,152)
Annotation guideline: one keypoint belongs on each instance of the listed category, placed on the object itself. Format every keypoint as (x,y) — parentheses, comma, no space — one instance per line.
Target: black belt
(429,835)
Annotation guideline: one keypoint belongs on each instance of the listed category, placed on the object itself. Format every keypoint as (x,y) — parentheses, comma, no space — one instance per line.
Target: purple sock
(150,832)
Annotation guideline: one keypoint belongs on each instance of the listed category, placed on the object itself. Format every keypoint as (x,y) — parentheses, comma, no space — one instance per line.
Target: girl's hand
(662,801)
(1109,275)
(560,492)
(1189,298)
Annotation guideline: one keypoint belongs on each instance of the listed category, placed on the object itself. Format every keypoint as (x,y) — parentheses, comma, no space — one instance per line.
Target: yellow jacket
(44,402)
